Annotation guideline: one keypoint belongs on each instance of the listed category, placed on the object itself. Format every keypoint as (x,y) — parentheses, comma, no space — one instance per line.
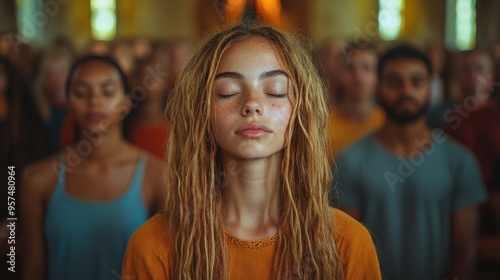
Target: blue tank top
(87,240)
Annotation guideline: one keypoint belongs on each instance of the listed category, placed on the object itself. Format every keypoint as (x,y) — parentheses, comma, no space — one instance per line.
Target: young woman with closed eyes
(248,173)
(80,206)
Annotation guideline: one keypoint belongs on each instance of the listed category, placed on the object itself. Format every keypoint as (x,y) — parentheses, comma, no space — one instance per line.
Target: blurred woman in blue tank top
(80,206)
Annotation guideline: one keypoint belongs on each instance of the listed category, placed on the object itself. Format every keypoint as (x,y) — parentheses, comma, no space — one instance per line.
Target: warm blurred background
(456,24)
(153,39)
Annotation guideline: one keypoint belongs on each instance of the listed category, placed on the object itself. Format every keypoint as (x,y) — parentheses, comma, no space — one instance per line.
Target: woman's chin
(253,153)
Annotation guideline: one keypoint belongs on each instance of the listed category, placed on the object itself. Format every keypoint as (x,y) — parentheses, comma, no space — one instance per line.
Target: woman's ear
(125,106)
(4,108)
(128,102)
(71,109)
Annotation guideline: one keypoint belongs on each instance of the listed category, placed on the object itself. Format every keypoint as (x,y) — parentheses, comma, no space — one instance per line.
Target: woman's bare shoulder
(40,178)
(44,171)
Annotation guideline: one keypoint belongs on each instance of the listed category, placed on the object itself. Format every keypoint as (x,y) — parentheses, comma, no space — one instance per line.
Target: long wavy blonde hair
(306,248)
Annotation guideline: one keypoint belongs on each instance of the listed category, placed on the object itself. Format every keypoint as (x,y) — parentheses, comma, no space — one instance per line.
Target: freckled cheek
(222,115)
(282,116)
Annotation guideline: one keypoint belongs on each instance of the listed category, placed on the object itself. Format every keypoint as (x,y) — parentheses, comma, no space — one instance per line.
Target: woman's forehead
(97,73)
(251,54)
(97,69)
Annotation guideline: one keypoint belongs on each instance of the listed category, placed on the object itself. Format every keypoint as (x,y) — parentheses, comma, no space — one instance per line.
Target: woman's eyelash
(278,95)
(80,93)
(225,96)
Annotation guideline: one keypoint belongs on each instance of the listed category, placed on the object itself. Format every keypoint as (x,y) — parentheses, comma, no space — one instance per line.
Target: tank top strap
(61,175)
(135,187)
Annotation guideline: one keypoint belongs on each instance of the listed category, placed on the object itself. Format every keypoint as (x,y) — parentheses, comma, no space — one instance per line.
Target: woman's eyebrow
(239,76)
(231,75)
(107,82)
(78,83)
(272,73)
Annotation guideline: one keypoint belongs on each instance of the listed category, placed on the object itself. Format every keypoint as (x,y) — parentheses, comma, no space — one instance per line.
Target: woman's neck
(101,146)
(250,196)
(356,110)
(149,117)
(405,139)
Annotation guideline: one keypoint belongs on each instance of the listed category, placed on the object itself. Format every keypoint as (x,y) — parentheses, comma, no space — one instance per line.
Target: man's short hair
(403,51)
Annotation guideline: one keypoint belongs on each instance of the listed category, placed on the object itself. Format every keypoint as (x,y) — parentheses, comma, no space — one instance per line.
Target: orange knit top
(148,254)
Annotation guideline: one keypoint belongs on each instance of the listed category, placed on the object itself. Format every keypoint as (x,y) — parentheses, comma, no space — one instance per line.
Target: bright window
(103,19)
(30,27)
(465,24)
(390,18)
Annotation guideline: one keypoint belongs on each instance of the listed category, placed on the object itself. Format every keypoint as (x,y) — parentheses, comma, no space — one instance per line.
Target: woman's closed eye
(80,92)
(276,89)
(226,95)
(277,95)
(109,92)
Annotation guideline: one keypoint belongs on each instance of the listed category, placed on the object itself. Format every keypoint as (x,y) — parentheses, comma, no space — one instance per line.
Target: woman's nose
(252,105)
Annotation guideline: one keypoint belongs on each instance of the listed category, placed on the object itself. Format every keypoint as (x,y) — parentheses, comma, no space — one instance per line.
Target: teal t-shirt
(407,202)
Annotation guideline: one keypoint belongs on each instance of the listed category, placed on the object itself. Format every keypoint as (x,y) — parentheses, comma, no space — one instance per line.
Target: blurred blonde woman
(248,172)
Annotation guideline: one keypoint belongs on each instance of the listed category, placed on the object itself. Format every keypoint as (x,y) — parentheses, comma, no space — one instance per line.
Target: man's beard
(404,117)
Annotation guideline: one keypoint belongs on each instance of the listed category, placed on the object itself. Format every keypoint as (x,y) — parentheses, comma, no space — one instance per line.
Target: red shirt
(151,137)
(480,132)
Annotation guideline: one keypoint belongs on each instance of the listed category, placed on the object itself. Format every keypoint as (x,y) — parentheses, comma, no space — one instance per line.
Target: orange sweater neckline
(251,244)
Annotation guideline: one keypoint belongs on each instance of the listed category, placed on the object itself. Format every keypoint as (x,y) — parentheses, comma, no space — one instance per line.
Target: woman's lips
(253,130)
(95,117)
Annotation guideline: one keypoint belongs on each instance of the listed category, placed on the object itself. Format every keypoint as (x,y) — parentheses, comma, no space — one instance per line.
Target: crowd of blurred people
(34,80)
(416,188)
(464,101)
(42,123)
